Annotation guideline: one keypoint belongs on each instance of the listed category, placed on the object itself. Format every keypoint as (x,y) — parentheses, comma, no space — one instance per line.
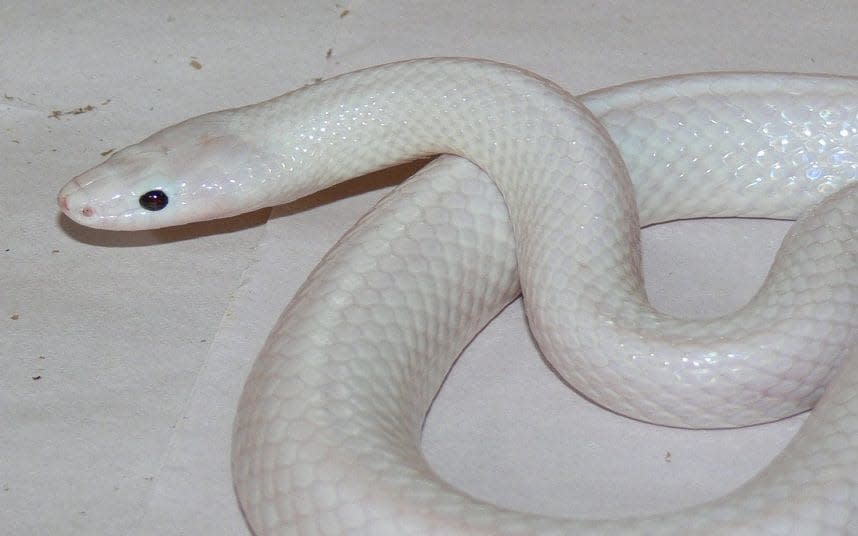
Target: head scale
(196,170)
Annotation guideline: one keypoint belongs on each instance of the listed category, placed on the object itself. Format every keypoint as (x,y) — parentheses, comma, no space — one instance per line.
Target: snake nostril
(87,212)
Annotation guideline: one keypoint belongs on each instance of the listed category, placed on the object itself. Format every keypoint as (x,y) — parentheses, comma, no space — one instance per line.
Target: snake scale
(545,196)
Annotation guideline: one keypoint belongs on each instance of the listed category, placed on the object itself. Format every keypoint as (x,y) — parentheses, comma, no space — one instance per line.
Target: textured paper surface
(124,354)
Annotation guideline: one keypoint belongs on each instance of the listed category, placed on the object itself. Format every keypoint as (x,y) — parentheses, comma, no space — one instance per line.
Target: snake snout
(64,194)
(71,207)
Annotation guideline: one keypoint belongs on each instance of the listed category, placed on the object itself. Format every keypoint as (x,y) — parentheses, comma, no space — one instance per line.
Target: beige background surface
(123,354)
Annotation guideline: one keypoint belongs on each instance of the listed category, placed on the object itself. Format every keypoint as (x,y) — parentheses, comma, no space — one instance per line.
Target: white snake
(328,428)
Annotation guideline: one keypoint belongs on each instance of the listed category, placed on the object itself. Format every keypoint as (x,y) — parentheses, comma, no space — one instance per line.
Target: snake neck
(546,153)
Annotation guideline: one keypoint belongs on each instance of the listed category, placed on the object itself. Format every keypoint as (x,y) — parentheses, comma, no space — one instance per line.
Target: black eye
(154,200)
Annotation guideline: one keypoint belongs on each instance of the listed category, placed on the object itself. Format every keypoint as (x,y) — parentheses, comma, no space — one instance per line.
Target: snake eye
(154,200)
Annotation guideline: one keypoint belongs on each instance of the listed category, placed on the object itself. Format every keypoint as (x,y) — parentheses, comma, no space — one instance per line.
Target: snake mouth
(65,193)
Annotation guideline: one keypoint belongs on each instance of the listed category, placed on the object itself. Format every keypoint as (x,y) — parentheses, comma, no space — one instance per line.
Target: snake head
(196,170)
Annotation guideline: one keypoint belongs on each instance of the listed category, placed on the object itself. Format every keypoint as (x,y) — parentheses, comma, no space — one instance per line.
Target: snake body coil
(327,433)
